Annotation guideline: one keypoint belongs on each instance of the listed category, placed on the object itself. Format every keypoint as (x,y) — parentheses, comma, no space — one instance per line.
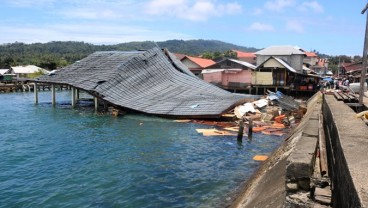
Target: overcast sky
(329,26)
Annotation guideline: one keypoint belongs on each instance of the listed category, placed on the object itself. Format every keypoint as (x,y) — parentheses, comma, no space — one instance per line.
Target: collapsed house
(151,81)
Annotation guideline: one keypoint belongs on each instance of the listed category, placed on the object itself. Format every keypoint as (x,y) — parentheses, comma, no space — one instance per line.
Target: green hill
(61,53)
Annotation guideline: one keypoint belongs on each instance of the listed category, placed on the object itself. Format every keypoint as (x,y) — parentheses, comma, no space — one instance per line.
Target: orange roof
(179,56)
(242,54)
(310,54)
(321,62)
(201,61)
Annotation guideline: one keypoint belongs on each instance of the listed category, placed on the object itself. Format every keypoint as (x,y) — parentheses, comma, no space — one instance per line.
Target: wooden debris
(260,157)
(235,128)
(214,132)
(182,121)
(323,195)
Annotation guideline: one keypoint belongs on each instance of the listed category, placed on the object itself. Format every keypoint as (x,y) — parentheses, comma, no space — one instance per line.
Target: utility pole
(364,70)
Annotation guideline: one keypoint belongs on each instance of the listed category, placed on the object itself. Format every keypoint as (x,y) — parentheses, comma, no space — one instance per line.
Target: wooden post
(241,129)
(35,92)
(96,103)
(322,147)
(53,100)
(364,70)
(77,92)
(73,97)
(250,129)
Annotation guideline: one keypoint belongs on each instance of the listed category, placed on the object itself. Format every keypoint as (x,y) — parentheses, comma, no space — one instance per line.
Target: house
(5,75)
(321,67)
(353,71)
(310,59)
(27,71)
(246,56)
(229,74)
(196,64)
(276,73)
(179,56)
(290,54)
(151,81)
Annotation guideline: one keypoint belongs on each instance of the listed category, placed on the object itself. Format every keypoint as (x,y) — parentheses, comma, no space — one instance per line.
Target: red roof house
(246,56)
(196,64)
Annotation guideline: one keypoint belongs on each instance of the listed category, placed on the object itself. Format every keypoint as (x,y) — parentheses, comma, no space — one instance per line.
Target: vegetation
(57,54)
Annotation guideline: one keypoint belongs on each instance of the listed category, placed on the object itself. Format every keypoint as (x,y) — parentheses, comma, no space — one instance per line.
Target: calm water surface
(64,157)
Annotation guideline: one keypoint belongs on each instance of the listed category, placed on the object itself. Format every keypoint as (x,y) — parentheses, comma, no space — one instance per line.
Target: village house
(5,75)
(310,59)
(292,55)
(321,67)
(246,56)
(27,71)
(352,71)
(281,68)
(230,74)
(196,64)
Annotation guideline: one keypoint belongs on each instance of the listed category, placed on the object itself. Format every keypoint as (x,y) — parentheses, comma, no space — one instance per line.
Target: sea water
(59,156)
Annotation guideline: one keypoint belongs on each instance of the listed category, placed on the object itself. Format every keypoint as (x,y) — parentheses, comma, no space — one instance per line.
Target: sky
(333,27)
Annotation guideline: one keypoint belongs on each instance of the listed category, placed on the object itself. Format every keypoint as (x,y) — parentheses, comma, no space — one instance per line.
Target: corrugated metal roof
(209,71)
(147,81)
(29,69)
(280,50)
(244,63)
(3,71)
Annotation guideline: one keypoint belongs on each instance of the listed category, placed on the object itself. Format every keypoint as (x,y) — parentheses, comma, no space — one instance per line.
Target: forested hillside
(57,54)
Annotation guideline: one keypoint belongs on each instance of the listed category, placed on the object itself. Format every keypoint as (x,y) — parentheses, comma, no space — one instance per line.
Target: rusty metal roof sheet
(151,81)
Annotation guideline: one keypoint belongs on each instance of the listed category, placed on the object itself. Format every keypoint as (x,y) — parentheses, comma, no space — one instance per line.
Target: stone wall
(347,149)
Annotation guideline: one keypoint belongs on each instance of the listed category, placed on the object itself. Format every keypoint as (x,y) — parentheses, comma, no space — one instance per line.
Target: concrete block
(311,128)
(301,161)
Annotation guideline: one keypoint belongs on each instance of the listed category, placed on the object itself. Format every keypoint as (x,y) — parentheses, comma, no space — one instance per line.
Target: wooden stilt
(96,103)
(35,92)
(53,100)
(241,130)
(73,97)
(77,93)
(250,129)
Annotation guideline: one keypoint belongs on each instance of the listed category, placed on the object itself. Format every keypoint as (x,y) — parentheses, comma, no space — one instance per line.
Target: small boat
(353,87)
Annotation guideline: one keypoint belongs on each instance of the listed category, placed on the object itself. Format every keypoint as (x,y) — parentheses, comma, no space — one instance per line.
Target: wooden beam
(35,90)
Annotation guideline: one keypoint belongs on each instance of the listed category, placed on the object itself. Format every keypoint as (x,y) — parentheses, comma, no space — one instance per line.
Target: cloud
(199,10)
(295,26)
(92,33)
(257,12)
(91,13)
(311,6)
(30,3)
(279,5)
(257,26)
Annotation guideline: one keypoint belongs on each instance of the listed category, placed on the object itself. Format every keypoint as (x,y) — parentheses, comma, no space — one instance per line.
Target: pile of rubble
(274,114)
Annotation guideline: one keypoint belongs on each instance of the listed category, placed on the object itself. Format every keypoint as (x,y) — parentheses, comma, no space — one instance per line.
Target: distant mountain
(61,53)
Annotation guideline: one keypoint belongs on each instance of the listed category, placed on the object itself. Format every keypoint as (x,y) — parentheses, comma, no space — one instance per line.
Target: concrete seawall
(347,139)
(288,178)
